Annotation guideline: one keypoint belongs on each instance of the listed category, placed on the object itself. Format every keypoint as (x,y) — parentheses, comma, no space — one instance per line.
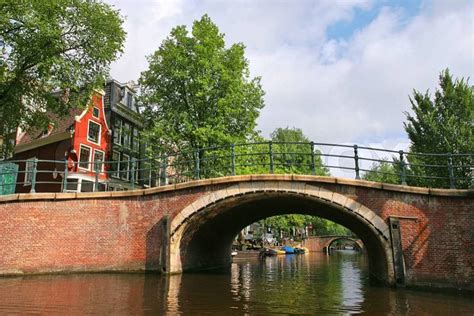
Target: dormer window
(48,131)
(95,112)
(129,100)
(93,132)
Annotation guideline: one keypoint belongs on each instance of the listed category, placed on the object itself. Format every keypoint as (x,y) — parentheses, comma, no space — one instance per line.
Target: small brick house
(75,147)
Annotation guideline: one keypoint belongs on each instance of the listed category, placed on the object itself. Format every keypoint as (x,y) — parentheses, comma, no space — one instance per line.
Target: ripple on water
(283,285)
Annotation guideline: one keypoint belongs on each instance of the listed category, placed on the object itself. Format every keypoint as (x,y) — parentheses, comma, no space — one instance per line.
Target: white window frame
(93,109)
(122,160)
(29,164)
(90,157)
(100,132)
(119,131)
(102,161)
(78,185)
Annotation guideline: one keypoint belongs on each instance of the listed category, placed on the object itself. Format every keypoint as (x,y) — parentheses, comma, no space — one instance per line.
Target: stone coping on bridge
(236,179)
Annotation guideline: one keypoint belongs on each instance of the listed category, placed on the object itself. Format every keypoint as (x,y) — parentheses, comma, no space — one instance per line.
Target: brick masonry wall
(117,231)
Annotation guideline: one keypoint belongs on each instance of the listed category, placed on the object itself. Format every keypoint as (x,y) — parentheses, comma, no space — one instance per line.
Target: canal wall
(127,231)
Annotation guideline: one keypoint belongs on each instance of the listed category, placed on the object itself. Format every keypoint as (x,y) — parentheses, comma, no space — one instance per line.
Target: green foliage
(442,125)
(45,46)
(293,153)
(320,225)
(198,93)
(385,172)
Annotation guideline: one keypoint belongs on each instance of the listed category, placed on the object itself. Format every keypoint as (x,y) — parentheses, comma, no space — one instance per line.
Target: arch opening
(359,246)
(203,239)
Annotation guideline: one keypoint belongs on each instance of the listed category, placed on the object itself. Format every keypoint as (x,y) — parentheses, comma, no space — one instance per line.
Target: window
(87,186)
(72,185)
(124,167)
(117,132)
(129,100)
(29,165)
(99,160)
(95,112)
(93,133)
(101,187)
(126,131)
(135,140)
(84,157)
(115,164)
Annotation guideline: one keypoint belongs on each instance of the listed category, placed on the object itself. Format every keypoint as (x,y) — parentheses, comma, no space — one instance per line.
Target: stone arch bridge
(323,243)
(414,236)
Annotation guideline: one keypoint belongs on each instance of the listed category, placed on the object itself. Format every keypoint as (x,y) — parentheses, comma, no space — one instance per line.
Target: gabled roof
(38,137)
(60,125)
(60,129)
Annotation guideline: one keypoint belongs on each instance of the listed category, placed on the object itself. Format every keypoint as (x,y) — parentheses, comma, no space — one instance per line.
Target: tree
(320,226)
(442,125)
(198,93)
(46,46)
(384,171)
(293,153)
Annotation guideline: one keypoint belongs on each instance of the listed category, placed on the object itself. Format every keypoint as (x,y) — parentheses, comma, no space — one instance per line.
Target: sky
(342,71)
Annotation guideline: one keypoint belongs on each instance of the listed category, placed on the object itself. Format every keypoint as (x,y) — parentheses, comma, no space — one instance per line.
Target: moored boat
(301,250)
(269,252)
(288,250)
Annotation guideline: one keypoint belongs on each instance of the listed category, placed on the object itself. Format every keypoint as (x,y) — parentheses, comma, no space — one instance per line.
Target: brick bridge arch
(201,234)
(356,241)
(322,243)
(133,230)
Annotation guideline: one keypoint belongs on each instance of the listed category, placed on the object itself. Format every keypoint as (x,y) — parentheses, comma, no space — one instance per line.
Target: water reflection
(352,295)
(299,284)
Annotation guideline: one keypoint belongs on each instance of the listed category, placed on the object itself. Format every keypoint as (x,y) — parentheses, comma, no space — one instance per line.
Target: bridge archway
(201,234)
(359,244)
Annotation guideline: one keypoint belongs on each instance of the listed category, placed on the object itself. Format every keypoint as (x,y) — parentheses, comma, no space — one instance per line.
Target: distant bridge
(324,243)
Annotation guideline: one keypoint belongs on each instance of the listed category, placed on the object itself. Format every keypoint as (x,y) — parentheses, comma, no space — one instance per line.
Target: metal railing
(310,158)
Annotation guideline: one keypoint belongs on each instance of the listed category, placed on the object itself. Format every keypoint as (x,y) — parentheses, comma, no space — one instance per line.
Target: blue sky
(362,17)
(340,70)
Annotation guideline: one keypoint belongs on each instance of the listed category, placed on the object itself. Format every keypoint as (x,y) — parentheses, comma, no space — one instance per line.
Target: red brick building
(73,147)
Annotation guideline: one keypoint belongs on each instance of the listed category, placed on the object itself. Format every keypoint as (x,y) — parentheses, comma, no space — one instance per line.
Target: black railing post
(403,176)
(233,158)
(33,175)
(452,180)
(313,164)
(356,162)
(134,162)
(162,180)
(270,151)
(65,176)
(197,171)
(96,182)
(150,171)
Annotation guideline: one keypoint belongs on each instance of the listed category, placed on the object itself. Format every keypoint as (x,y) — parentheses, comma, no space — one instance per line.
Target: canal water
(308,284)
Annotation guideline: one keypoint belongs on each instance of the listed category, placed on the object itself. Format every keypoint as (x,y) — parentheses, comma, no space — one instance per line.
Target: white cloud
(336,90)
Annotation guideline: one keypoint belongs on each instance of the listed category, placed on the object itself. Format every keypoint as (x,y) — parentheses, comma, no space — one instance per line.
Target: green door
(8,174)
